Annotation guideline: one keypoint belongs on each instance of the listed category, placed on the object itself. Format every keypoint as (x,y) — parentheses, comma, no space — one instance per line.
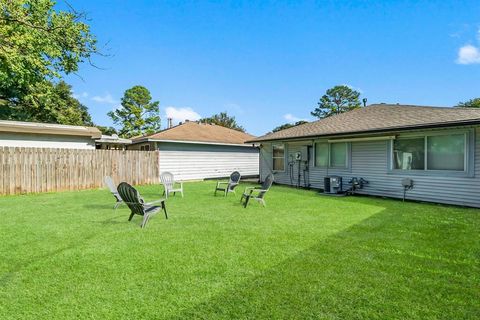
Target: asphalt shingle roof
(199,132)
(378,118)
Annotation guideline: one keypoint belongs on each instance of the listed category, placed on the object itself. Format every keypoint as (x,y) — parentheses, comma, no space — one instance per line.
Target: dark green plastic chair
(228,186)
(257,193)
(132,199)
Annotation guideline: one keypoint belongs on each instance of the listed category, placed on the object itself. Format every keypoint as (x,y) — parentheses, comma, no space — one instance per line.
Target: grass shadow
(373,269)
(19,267)
(98,206)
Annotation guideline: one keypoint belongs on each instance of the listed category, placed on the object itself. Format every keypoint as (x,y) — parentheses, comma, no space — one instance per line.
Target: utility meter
(298,156)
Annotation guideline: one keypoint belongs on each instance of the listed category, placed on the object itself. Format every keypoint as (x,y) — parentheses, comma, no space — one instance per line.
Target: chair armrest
(153,202)
(221,182)
(256,192)
(249,190)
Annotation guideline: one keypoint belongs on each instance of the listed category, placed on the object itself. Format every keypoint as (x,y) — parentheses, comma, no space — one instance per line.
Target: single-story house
(438,148)
(193,150)
(47,135)
(113,142)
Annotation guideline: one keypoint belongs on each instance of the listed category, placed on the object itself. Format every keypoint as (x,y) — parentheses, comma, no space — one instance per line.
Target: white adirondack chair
(170,185)
(113,189)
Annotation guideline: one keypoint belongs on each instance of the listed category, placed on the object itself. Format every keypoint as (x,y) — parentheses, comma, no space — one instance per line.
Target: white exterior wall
(8,139)
(203,161)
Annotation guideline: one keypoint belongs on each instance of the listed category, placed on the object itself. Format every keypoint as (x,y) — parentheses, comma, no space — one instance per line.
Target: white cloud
(468,54)
(80,95)
(291,118)
(181,114)
(107,98)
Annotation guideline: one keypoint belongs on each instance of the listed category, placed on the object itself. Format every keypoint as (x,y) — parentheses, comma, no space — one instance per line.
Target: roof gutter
(91,132)
(376,138)
(381,130)
(192,142)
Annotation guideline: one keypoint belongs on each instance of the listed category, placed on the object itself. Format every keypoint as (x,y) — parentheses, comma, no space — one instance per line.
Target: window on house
(431,152)
(147,147)
(278,157)
(409,154)
(333,155)
(338,155)
(321,154)
(446,152)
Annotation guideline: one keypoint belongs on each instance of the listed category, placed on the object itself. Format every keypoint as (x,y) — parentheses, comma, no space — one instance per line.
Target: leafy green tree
(107,130)
(472,103)
(337,100)
(289,125)
(224,120)
(39,44)
(138,114)
(49,102)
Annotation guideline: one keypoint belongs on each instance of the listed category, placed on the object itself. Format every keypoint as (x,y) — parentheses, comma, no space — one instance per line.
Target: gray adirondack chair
(135,202)
(228,186)
(113,189)
(170,185)
(257,193)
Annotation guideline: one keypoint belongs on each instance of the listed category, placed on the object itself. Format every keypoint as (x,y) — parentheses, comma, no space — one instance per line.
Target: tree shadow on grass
(20,266)
(97,206)
(374,269)
(114,220)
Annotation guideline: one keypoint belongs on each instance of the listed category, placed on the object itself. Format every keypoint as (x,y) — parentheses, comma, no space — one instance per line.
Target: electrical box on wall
(304,152)
(301,155)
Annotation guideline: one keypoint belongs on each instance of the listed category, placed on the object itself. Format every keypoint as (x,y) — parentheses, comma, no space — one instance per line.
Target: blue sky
(268,63)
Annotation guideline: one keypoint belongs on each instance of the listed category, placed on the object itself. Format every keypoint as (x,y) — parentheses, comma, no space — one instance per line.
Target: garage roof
(195,132)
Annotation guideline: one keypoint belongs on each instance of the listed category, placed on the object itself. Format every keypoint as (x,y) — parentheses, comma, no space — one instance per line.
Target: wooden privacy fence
(26,170)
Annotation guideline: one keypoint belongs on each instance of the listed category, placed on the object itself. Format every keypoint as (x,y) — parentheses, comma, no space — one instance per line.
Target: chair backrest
(267,183)
(110,184)
(234,180)
(235,177)
(131,197)
(167,179)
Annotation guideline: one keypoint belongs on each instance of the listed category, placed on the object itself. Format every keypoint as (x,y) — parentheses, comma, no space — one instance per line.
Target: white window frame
(467,165)
(329,146)
(273,157)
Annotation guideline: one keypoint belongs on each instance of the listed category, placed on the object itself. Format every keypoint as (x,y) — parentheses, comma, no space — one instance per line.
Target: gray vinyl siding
(369,160)
(203,161)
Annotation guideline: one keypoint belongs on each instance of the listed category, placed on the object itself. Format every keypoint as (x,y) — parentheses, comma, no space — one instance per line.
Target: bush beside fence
(27,170)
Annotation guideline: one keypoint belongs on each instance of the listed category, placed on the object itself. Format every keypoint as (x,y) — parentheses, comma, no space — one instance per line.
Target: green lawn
(305,256)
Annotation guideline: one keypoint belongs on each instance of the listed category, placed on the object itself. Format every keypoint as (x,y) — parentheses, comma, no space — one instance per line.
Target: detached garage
(195,150)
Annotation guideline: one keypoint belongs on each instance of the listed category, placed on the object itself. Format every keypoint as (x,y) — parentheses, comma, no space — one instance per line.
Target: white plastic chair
(113,189)
(170,185)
